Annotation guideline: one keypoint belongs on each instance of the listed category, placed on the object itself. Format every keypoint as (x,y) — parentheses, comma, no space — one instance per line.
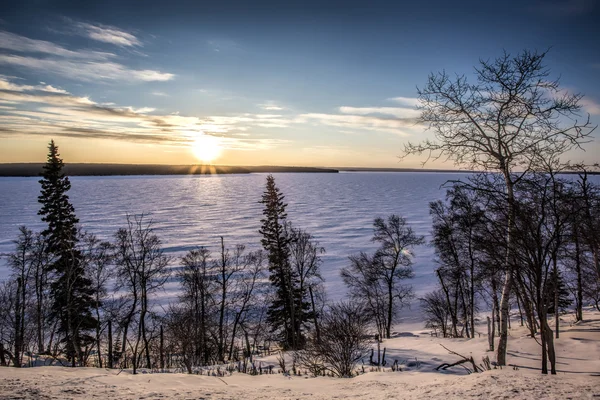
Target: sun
(206,148)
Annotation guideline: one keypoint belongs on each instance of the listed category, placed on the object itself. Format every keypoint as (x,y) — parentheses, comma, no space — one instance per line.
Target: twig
(464,359)
(222,380)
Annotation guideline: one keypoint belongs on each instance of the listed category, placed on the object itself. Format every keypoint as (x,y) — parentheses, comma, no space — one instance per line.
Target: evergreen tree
(288,311)
(555,280)
(71,291)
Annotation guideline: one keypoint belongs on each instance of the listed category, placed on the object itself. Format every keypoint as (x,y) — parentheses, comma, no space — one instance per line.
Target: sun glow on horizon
(206,148)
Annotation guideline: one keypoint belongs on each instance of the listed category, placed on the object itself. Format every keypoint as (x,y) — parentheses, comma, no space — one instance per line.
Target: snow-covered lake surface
(189,211)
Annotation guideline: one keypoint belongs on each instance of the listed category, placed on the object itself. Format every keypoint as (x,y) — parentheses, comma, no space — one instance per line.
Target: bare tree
(435,307)
(181,333)
(364,287)
(22,263)
(8,297)
(228,269)
(245,296)
(344,341)
(537,240)
(513,119)
(142,269)
(305,259)
(197,297)
(98,256)
(376,279)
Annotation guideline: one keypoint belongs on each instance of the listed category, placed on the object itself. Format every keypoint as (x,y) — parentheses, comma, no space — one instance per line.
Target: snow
(578,352)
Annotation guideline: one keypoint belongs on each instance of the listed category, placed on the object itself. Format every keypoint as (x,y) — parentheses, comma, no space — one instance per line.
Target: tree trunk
(2,355)
(315,318)
(143,324)
(556,311)
(390,310)
(472,300)
(579,305)
(551,352)
(508,281)
(491,332)
(39,318)
(110,345)
(162,349)
(18,336)
(544,339)
(98,339)
(452,311)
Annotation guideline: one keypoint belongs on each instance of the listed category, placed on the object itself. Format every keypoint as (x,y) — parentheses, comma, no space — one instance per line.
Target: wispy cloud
(271,106)
(397,120)
(35,109)
(84,65)
(360,122)
(5,84)
(406,101)
(590,106)
(22,44)
(159,94)
(392,111)
(86,70)
(107,34)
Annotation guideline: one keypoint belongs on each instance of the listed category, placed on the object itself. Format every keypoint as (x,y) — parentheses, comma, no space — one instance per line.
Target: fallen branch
(445,366)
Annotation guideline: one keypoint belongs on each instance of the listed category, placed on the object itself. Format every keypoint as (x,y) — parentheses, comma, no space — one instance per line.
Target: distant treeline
(365,169)
(35,169)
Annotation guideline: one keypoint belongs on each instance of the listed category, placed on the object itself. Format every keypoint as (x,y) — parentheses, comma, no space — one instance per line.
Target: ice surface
(188,211)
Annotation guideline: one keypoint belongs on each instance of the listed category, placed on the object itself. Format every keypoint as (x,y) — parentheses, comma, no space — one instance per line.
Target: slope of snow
(578,351)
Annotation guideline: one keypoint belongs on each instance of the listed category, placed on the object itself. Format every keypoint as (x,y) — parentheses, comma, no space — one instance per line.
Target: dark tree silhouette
(376,279)
(288,311)
(142,270)
(514,118)
(344,341)
(71,291)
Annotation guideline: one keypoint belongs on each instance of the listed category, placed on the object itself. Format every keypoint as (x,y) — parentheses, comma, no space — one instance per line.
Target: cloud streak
(84,65)
(360,122)
(390,111)
(396,120)
(406,101)
(108,34)
(22,44)
(36,110)
(590,106)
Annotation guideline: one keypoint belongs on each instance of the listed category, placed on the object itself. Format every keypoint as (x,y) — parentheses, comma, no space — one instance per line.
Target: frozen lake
(189,211)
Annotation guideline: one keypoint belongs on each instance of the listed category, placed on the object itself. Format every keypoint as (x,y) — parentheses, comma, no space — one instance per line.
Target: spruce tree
(288,311)
(71,290)
(555,279)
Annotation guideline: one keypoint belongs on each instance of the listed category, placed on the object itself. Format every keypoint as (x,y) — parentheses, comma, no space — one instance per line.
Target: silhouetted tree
(344,341)
(512,119)
(376,279)
(457,226)
(142,270)
(98,257)
(288,311)
(27,259)
(435,307)
(71,290)
(196,305)
(305,258)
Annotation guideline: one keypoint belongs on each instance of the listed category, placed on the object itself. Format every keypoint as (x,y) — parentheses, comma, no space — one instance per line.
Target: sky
(232,82)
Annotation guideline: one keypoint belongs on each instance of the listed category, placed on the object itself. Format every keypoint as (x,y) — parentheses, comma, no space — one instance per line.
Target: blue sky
(286,83)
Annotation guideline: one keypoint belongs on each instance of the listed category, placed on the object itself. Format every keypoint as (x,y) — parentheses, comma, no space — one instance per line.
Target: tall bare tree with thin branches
(511,121)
